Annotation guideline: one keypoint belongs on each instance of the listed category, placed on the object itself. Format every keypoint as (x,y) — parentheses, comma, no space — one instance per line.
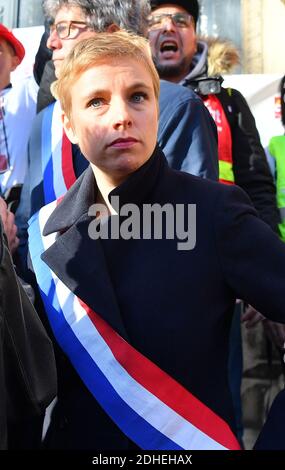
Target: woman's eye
(96,102)
(139,97)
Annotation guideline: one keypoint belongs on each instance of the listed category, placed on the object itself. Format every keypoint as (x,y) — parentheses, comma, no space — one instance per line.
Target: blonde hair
(223,56)
(97,50)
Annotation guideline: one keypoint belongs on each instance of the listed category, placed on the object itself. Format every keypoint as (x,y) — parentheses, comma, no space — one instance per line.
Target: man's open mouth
(168,46)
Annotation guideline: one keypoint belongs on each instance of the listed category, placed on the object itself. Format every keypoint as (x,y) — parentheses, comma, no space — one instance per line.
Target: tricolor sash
(56,152)
(148,405)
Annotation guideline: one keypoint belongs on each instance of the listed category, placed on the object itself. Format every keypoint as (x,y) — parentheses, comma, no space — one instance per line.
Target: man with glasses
(187,132)
(69,29)
(173,53)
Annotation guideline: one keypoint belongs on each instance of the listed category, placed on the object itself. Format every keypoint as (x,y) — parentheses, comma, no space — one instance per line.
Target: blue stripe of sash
(47,163)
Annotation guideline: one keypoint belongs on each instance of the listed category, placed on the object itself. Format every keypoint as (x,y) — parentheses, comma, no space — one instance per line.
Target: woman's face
(114,116)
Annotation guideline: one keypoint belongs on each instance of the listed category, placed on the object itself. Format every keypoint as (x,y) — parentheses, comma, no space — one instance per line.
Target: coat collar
(83,193)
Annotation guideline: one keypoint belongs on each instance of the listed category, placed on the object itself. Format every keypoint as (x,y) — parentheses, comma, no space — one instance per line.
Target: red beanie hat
(18,47)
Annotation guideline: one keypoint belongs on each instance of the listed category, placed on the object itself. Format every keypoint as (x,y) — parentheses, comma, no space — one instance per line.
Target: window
(30,13)
(220,18)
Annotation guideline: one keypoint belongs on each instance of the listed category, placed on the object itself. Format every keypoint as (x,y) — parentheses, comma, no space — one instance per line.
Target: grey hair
(130,15)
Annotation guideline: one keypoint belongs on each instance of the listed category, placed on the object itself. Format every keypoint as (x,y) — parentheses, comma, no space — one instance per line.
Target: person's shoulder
(191,184)
(203,189)
(234,95)
(277,139)
(172,91)
(191,181)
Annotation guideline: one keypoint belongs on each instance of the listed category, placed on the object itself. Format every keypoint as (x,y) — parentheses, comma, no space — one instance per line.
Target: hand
(275,332)
(9,225)
(251,317)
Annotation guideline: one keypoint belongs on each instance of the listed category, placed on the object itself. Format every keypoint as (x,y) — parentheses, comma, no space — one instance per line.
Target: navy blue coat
(174,306)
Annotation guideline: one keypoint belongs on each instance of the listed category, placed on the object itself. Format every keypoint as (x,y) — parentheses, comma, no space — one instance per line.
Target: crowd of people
(136,321)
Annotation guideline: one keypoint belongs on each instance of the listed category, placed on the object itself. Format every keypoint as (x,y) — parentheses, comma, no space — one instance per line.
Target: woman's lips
(123,143)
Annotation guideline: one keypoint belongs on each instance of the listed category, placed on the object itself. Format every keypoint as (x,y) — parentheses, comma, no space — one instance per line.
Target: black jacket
(27,364)
(250,165)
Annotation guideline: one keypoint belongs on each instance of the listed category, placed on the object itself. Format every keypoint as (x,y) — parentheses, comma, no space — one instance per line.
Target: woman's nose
(122,117)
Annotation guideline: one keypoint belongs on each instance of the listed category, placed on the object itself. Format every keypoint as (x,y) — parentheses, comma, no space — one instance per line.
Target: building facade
(21,13)
(256,27)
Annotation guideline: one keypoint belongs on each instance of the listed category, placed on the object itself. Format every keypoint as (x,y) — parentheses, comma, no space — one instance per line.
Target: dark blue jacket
(187,133)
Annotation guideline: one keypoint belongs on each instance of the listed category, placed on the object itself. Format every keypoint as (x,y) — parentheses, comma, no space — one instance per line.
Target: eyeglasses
(68,29)
(181,20)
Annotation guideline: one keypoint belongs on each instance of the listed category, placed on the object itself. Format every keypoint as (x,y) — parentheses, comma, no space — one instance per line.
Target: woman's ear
(67,125)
